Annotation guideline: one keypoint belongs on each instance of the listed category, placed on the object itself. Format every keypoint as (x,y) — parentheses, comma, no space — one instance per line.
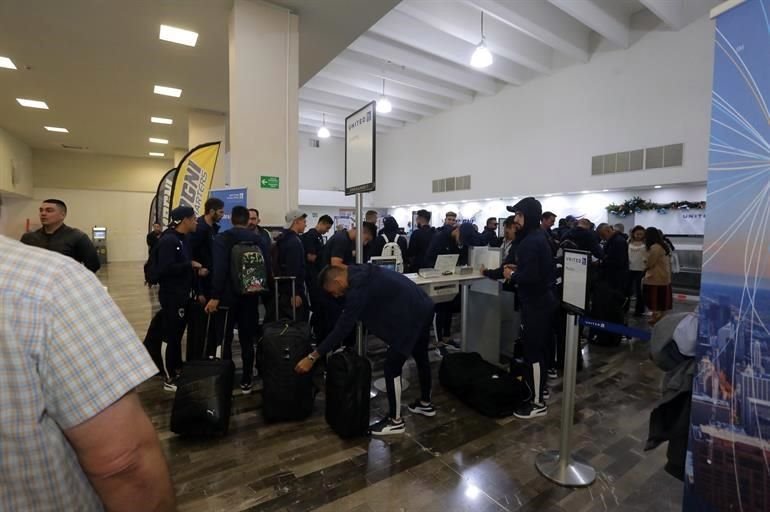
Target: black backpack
(151,272)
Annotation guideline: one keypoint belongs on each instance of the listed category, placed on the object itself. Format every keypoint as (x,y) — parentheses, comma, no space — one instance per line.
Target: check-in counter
(493,325)
(489,323)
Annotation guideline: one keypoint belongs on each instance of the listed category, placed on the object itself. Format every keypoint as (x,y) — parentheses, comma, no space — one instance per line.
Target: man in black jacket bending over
(535,277)
(395,310)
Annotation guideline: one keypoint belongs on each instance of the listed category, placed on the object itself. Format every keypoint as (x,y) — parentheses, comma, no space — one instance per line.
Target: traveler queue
(191,261)
(530,248)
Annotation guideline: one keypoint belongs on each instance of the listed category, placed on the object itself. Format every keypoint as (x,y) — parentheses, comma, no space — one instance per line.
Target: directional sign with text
(269,182)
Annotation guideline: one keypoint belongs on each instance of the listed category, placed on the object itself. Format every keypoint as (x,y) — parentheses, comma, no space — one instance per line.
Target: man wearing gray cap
(175,271)
(291,263)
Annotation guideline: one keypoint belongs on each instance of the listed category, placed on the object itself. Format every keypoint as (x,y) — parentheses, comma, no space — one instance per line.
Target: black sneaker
(246,388)
(417,407)
(387,427)
(531,410)
(553,374)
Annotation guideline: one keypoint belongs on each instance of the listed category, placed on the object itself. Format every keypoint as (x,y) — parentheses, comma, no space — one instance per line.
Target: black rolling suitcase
(348,383)
(198,330)
(483,386)
(204,396)
(287,396)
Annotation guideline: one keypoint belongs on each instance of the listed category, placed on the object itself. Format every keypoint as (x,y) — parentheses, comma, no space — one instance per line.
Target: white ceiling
(95,61)
(423,48)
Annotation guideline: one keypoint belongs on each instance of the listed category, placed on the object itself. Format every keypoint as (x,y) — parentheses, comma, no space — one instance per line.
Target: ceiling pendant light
(482,57)
(323,131)
(383,104)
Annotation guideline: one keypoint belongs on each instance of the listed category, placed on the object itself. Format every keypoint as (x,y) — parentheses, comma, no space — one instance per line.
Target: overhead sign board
(360,150)
(575,279)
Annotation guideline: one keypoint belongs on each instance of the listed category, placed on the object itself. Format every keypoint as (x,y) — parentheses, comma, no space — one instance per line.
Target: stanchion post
(360,342)
(561,466)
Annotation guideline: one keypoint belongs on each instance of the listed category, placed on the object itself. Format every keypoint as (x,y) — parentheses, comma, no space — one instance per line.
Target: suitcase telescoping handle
(206,336)
(291,301)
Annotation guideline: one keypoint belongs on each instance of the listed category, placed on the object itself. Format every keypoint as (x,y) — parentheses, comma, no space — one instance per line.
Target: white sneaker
(387,427)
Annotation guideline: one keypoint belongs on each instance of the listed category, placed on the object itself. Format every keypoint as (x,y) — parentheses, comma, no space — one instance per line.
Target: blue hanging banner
(231,197)
(728,458)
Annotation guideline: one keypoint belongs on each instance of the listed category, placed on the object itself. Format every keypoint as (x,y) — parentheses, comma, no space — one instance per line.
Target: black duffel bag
(485,387)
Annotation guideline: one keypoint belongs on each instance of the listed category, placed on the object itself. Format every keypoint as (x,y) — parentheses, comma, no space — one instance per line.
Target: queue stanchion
(561,466)
(360,341)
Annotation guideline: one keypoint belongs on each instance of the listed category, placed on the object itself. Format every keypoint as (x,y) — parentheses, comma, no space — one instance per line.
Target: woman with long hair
(637,265)
(657,276)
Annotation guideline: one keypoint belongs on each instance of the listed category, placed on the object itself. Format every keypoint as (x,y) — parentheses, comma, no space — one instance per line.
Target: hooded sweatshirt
(536,272)
(389,231)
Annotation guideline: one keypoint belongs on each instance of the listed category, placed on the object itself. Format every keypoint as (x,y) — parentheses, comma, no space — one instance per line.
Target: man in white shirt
(74,435)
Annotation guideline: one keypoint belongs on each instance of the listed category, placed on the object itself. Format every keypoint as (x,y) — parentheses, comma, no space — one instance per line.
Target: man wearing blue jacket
(175,269)
(420,241)
(395,310)
(535,277)
(291,263)
(243,309)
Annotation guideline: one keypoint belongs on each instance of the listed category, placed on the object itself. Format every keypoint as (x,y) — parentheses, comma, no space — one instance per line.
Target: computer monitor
(385,262)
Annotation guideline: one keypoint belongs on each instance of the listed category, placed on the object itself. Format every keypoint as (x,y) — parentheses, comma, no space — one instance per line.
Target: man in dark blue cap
(175,270)
(535,277)
(397,311)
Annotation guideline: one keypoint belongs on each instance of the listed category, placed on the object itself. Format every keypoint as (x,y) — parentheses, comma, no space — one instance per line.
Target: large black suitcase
(286,395)
(483,386)
(204,396)
(348,383)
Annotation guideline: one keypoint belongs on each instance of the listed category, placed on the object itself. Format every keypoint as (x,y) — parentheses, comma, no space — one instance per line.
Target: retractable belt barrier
(623,330)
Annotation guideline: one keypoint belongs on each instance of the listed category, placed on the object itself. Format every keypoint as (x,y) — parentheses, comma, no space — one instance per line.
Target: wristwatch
(310,356)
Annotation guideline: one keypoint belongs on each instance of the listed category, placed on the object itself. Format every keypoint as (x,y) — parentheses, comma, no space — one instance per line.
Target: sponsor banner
(194,177)
(231,197)
(163,196)
(727,466)
(153,213)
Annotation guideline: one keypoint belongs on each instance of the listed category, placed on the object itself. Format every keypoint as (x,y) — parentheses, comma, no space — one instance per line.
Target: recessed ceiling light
(7,63)
(56,129)
(658,186)
(152,153)
(178,35)
(585,191)
(606,190)
(167,91)
(32,103)
(161,120)
(158,141)
(548,195)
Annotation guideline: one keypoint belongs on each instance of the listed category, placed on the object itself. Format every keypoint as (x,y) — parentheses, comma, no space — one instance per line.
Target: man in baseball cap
(291,263)
(174,269)
(293,216)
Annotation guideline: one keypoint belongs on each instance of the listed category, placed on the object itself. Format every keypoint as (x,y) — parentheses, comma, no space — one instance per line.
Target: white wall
(539,138)
(125,214)
(592,206)
(15,166)
(99,190)
(321,168)
(88,171)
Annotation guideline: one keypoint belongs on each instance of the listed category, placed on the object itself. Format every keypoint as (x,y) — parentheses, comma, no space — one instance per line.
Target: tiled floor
(456,461)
